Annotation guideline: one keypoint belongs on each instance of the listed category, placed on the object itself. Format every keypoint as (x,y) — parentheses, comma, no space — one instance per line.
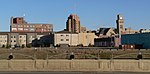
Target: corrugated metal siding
(140,39)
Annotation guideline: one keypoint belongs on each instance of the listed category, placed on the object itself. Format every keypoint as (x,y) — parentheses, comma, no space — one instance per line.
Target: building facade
(130,31)
(73,24)
(86,39)
(18,24)
(3,39)
(14,39)
(105,32)
(66,38)
(113,41)
(83,29)
(73,39)
(23,39)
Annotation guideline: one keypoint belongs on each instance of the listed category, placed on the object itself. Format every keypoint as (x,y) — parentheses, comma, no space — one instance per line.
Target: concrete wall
(75,65)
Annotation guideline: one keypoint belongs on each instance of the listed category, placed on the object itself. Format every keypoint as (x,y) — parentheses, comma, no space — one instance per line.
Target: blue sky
(92,13)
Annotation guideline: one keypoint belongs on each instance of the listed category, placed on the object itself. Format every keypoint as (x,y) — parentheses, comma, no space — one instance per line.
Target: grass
(47,53)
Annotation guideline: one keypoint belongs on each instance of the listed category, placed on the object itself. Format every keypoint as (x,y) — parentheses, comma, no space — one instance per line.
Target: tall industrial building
(120,24)
(73,24)
(18,24)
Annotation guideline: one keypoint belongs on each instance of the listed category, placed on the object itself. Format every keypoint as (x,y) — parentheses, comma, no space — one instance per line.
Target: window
(32,29)
(19,18)
(20,28)
(4,36)
(61,35)
(21,25)
(14,25)
(121,26)
(14,40)
(14,29)
(26,29)
(18,25)
(30,26)
(62,40)
(20,36)
(25,25)
(67,39)
(67,35)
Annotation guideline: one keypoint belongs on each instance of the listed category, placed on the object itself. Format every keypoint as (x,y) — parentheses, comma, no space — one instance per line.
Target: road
(74,73)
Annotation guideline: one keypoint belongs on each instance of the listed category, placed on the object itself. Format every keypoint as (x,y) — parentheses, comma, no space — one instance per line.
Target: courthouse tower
(120,24)
(73,24)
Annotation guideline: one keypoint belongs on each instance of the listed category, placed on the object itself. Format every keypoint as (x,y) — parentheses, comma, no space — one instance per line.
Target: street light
(139,56)
(72,56)
(10,56)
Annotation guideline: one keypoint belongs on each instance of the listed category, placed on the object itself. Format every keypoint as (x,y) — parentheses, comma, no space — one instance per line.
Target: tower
(73,24)
(120,24)
(18,20)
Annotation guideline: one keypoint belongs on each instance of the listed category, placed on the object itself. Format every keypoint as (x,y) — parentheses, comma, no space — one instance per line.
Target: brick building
(18,24)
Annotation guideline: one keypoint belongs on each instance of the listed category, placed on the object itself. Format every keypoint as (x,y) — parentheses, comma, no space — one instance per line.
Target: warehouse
(142,39)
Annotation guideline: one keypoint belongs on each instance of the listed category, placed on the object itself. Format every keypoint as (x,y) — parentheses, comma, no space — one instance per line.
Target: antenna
(24,15)
(24,18)
(74,7)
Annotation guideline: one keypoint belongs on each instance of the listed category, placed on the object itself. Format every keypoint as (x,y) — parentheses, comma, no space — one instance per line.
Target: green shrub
(90,45)
(29,45)
(8,46)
